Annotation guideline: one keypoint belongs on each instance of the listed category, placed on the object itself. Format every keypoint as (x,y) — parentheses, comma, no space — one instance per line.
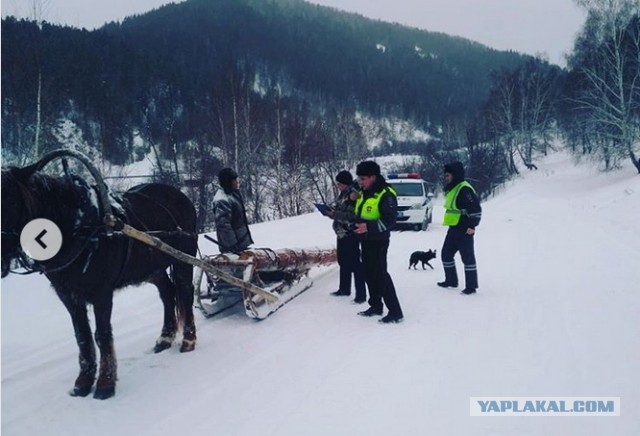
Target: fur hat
(456,169)
(344,177)
(226,176)
(368,168)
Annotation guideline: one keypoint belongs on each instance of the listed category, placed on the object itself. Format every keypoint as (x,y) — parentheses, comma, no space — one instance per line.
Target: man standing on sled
(232,227)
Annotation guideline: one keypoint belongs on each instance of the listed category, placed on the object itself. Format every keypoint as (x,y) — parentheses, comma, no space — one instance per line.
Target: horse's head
(17,210)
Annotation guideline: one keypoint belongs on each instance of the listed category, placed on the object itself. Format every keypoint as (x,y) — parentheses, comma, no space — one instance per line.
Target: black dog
(421,256)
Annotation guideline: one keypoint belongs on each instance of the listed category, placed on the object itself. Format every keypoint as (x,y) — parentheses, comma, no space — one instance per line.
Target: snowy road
(556,315)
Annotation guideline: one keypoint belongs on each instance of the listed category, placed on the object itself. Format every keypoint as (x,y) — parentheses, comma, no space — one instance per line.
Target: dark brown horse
(93,261)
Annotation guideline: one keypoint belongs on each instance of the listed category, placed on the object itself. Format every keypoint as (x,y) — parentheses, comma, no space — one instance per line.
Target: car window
(408,189)
(426,187)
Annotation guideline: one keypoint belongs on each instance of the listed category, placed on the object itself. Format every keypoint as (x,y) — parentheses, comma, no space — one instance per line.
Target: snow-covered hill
(556,315)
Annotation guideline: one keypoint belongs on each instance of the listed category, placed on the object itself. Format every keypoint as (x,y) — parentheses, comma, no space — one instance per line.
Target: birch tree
(607,59)
(38,10)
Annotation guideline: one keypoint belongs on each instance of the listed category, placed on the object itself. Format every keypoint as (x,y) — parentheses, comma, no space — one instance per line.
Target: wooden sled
(281,274)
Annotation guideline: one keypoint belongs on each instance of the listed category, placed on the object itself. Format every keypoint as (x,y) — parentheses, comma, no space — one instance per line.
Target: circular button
(41,239)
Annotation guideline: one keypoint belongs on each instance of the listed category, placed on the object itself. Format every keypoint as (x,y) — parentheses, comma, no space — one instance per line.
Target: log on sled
(280,275)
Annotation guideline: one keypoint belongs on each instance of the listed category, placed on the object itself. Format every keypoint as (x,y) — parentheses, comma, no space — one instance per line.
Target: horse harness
(89,228)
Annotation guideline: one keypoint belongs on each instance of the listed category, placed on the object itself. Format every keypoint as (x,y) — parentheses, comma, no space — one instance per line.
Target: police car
(415,205)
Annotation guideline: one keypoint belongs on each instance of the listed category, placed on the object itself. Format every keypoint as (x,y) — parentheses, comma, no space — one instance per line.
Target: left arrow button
(41,239)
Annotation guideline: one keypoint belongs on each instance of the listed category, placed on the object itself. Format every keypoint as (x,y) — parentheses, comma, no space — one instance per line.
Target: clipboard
(323,208)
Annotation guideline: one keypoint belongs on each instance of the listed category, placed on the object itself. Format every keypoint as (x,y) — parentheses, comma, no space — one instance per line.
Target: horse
(94,261)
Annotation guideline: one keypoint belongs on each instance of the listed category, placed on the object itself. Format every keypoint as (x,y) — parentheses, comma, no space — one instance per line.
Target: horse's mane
(43,194)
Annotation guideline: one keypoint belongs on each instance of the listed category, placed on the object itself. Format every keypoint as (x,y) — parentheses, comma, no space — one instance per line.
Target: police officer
(376,213)
(462,215)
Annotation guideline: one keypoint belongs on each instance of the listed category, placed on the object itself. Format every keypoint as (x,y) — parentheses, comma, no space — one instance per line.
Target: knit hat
(368,168)
(344,177)
(226,176)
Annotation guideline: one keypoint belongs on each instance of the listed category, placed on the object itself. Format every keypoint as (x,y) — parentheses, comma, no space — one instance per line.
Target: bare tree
(607,56)
(521,110)
(277,151)
(537,84)
(503,117)
(251,155)
(38,10)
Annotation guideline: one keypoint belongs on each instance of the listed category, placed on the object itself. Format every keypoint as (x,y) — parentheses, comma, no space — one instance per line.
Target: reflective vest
(368,209)
(452,214)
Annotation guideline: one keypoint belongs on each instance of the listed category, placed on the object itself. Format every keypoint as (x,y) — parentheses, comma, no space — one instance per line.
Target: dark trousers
(456,240)
(350,264)
(381,288)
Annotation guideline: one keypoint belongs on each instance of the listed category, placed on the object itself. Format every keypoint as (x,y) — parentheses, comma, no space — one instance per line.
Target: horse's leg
(183,277)
(168,296)
(106,385)
(87,354)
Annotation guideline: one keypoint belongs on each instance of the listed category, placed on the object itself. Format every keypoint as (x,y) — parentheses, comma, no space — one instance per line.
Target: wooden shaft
(168,249)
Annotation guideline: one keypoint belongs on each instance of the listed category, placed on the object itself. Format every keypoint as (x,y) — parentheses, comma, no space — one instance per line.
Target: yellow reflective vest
(452,214)
(368,209)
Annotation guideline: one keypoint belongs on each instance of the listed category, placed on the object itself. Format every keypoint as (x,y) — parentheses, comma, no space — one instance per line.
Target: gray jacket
(232,227)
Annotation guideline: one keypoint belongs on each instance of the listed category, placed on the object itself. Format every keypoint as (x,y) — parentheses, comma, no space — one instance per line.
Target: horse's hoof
(104,393)
(161,346)
(187,345)
(80,391)
(163,342)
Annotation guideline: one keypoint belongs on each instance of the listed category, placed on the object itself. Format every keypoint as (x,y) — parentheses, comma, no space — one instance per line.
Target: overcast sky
(528,26)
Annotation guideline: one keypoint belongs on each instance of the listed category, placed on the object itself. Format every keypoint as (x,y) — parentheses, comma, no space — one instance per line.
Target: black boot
(371,312)
(471,277)
(391,319)
(447,284)
(340,293)
(468,291)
